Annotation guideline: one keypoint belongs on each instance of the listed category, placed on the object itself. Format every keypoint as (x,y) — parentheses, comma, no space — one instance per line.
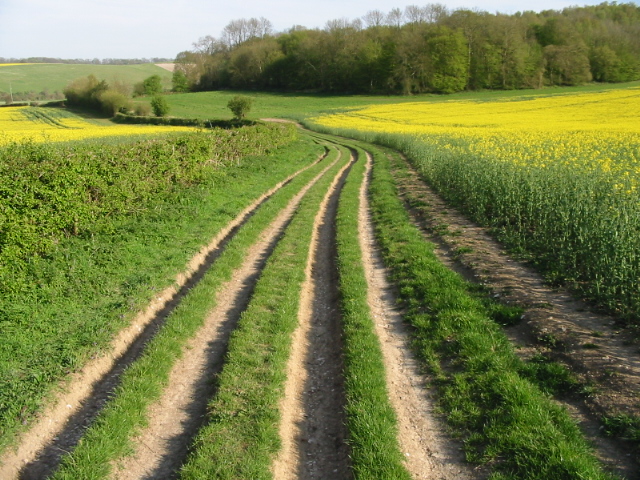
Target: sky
(89,29)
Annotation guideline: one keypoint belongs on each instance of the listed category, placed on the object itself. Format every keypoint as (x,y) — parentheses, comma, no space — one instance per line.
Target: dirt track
(312,430)
(611,362)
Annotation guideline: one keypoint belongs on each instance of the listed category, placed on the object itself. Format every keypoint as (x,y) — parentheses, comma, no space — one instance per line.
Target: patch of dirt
(167,66)
(175,419)
(81,396)
(555,323)
(312,428)
(429,451)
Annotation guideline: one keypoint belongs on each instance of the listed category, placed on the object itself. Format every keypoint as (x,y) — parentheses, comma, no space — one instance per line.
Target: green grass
(213,105)
(109,438)
(53,77)
(505,421)
(371,420)
(242,438)
(89,287)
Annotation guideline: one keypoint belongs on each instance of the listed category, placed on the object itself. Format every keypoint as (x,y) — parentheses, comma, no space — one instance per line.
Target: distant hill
(48,78)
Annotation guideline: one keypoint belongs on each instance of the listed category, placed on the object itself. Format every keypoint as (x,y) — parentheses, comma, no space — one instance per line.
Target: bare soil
(167,66)
(555,323)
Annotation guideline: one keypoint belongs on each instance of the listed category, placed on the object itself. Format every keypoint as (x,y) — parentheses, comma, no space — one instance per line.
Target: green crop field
(213,105)
(52,77)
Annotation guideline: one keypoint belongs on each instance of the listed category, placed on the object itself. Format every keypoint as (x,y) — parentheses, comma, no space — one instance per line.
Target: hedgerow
(48,192)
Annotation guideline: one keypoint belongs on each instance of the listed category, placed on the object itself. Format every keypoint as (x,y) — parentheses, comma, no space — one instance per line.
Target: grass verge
(61,305)
(505,421)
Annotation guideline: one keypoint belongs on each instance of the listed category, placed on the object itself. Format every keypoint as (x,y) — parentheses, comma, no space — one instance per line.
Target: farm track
(176,417)
(313,428)
(62,424)
(313,431)
(554,324)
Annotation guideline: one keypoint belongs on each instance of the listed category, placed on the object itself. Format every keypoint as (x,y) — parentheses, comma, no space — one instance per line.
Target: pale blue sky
(163,28)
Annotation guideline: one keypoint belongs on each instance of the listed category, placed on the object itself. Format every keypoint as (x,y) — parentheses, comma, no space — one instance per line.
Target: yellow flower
(51,125)
(588,132)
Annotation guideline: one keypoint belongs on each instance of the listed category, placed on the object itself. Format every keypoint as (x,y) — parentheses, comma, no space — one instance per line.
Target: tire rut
(313,425)
(176,418)
(430,453)
(61,425)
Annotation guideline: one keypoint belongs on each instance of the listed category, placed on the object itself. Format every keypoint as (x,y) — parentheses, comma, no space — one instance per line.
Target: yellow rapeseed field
(49,125)
(555,176)
(591,131)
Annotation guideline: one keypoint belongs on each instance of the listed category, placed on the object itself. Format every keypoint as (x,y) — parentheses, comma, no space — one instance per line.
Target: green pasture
(53,77)
(299,106)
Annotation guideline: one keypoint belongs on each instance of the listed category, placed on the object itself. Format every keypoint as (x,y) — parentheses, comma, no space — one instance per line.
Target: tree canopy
(423,49)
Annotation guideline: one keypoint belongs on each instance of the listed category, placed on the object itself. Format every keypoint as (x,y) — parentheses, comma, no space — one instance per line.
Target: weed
(460,251)
(623,426)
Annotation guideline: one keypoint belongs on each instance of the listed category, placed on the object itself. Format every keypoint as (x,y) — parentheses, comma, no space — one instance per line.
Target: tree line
(422,49)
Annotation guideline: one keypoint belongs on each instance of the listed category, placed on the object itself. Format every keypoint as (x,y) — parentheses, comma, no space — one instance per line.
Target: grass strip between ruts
(371,420)
(505,421)
(242,436)
(109,437)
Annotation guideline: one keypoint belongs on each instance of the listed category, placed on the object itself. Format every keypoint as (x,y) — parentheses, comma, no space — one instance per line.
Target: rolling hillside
(52,77)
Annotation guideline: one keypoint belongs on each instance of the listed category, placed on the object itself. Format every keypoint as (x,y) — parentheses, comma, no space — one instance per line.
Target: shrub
(85,92)
(113,102)
(142,109)
(179,81)
(160,106)
(240,106)
(152,85)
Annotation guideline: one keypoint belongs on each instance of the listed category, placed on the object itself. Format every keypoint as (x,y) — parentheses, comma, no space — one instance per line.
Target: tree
(567,64)
(112,102)
(448,52)
(160,106)
(152,85)
(374,18)
(179,81)
(240,106)
(239,31)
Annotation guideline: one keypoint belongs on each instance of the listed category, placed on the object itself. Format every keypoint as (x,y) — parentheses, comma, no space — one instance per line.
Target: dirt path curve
(312,427)
(555,323)
(175,419)
(429,452)
(82,396)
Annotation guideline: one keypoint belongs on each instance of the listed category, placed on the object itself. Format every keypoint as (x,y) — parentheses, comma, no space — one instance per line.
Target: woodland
(428,49)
